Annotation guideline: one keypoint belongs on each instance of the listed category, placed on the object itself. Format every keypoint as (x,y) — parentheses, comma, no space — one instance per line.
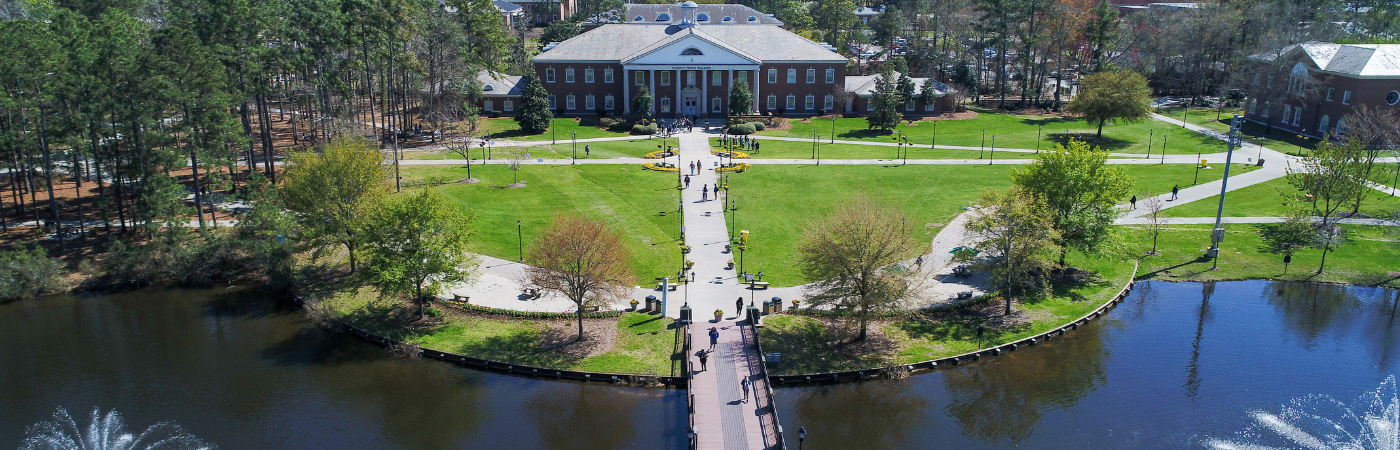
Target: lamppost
(833,128)
(1164,148)
(1218,233)
(819,151)
(897,145)
(907,146)
(1037,137)
(934,142)
(520,240)
(994,150)
(575,150)
(814,145)
(552,139)
(801,436)
(1197,177)
(983,147)
(1149,143)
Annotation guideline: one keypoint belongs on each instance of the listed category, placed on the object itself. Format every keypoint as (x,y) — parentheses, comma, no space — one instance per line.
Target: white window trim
(639,77)
(790,102)
(507,105)
(716,105)
(488,105)
(553,102)
(608,103)
(549,75)
(607,75)
(929,106)
(1346,97)
(569,102)
(665,78)
(665,104)
(772,75)
(589,103)
(909,105)
(1330,91)
(569,75)
(828,103)
(811,76)
(792,76)
(830,75)
(1297,115)
(690,78)
(588,75)
(772,102)
(716,78)
(809,102)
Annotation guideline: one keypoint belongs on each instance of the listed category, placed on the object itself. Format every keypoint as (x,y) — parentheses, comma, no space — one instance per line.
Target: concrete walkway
(1211,221)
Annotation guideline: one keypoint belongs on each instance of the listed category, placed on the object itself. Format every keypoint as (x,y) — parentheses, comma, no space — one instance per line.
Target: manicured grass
(807,345)
(633,201)
(803,150)
(1368,259)
(776,200)
(1017,131)
(644,343)
(1277,139)
(1268,199)
(506,128)
(635,148)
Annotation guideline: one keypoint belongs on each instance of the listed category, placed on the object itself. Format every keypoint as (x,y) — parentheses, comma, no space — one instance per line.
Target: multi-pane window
(569,102)
(666,104)
(828,102)
(811,75)
(690,78)
(742,76)
(607,76)
(553,102)
(588,102)
(1253,105)
(639,78)
(588,75)
(665,78)
(772,75)
(929,106)
(549,75)
(1287,109)
(772,102)
(830,75)
(792,75)
(714,104)
(508,105)
(809,102)
(716,78)
(1330,91)
(569,75)
(488,105)
(608,103)
(791,102)
(1346,98)
(1297,115)
(909,105)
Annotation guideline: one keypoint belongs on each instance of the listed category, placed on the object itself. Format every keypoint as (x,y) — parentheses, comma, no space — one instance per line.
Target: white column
(705,93)
(626,98)
(651,74)
(676,102)
(727,88)
(757,99)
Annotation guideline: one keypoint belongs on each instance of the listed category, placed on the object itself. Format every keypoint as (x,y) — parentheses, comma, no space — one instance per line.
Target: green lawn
(636,202)
(1017,131)
(1276,139)
(635,148)
(776,200)
(643,344)
(808,346)
(564,128)
(803,150)
(1368,259)
(1268,199)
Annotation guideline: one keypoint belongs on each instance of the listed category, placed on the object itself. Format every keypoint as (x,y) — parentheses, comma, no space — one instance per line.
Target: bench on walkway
(758,285)
(459,301)
(961,271)
(672,286)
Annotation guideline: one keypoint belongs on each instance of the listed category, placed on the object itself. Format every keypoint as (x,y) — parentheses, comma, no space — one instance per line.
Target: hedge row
(530,314)
(903,314)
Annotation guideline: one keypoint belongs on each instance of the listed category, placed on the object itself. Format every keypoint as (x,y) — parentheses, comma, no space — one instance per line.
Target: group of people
(744,142)
(704,355)
(673,127)
(1176,188)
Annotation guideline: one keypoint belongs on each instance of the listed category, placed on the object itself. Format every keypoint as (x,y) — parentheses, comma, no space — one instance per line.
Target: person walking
(705,193)
(714,338)
(1175,188)
(687,181)
(704,357)
(1132,202)
(739,305)
(586,150)
(692,167)
(744,386)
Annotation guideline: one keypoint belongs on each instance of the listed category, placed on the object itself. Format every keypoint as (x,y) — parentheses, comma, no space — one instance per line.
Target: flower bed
(660,167)
(731,153)
(740,167)
(659,154)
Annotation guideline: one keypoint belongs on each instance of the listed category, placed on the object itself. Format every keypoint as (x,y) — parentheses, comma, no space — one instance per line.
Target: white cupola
(688,14)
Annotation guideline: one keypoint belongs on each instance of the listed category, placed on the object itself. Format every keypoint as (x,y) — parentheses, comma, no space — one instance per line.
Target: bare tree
(1330,178)
(1016,234)
(1378,130)
(1153,205)
(582,260)
(515,160)
(463,148)
(853,256)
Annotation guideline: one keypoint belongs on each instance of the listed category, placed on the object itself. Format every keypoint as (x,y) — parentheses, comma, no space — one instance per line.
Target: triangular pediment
(690,46)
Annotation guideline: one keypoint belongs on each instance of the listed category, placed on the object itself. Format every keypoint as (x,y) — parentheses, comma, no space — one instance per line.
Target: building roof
(499,84)
(714,13)
(864,86)
(617,42)
(1351,60)
(508,7)
(868,11)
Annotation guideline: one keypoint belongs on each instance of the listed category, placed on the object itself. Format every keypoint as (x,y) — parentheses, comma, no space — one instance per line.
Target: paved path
(1171,159)
(498,285)
(1211,221)
(721,420)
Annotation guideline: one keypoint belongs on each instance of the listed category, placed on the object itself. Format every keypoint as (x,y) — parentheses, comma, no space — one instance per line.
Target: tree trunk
(579,313)
(1100,135)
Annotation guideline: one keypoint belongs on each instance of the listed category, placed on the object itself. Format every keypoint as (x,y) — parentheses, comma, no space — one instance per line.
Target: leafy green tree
(1119,95)
(886,102)
(852,256)
(419,243)
(740,99)
(558,31)
(641,103)
(1287,237)
(887,25)
(333,193)
(1101,32)
(1329,179)
(837,22)
(929,92)
(29,272)
(1014,229)
(1080,189)
(535,116)
(906,88)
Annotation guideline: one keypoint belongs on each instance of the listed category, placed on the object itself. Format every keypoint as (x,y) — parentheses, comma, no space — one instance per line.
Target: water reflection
(1002,400)
(1193,369)
(1311,309)
(850,410)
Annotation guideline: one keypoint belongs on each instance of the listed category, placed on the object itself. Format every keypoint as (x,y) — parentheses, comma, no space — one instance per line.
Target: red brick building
(1308,88)
(690,62)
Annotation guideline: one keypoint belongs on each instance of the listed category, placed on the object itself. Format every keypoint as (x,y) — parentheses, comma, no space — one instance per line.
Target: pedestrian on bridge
(739,306)
(714,338)
(704,357)
(744,386)
(687,177)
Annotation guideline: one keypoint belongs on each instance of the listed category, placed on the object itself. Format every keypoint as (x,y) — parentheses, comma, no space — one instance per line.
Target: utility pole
(1218,233)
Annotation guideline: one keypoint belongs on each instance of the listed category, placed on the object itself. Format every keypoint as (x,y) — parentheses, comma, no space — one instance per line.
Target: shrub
(758,126)
(620,125)
(27,273)
(778,122)
(741,129)
(644,129)
(434,312)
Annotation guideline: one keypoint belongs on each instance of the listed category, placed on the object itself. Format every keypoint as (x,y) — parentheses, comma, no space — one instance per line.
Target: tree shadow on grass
(810,345)
(864,134)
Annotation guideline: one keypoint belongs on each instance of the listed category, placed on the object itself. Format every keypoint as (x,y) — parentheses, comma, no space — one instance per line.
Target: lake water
(1174,365)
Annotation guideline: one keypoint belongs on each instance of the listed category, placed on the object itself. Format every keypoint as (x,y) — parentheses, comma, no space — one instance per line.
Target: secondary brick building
(689,57)
(1309,88)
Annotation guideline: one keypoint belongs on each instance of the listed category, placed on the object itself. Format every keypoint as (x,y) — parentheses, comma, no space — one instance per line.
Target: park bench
(672,287)
(961,271)
(758,285)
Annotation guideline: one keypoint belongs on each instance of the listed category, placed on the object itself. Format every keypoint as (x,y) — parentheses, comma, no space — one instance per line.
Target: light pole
(994,150)
(819,151)
(907,146)
(520,240)
(833,128)
(1218,233)
(575,146)
(1197,177)
(983,147)
(1164,148)
(1149,143)
(814,145)
(1037,137)
(934,143)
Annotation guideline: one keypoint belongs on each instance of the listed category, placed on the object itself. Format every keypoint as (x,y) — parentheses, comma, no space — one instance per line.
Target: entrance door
(691,106)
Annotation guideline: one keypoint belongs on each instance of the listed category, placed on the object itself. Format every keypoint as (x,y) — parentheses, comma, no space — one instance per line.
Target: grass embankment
(812,345)
(1017,131)
(633,343)
(1277,139)
(1269,199)
(564,128)
(1368,259)
(776,200)
(638,203)
(770,149)
(635,148)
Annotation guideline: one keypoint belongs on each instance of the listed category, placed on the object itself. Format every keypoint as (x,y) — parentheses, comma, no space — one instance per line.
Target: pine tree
(886,101)
(641,104)
(1101,31)
(740,99)
(535,115)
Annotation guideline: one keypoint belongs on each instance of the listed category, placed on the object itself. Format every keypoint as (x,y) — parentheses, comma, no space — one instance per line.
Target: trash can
(767,307)
(777,304)
(652,303)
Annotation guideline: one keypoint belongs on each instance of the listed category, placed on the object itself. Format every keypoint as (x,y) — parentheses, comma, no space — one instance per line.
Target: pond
(1176,365)
(240,371)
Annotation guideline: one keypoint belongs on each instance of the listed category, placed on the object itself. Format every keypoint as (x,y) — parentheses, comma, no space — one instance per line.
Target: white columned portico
(704,94)
(756,97)
(626,98)
(651,75)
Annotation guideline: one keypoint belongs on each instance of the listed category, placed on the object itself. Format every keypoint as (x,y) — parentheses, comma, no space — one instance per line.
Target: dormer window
(728,19)
(663,17)
(753,19)
(488,88)
(703,17)
(637,19)
(692,52)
